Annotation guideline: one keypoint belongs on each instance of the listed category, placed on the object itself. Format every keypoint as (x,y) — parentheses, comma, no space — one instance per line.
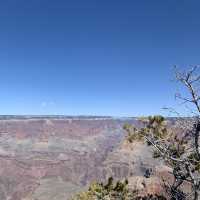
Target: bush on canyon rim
(113,191)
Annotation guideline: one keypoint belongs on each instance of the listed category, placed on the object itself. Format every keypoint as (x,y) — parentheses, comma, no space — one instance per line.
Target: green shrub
(113,191)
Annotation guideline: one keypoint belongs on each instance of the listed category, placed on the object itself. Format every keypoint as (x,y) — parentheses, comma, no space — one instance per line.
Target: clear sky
(98,57)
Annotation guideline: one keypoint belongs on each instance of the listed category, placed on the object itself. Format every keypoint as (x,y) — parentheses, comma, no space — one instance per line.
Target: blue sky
(98,57)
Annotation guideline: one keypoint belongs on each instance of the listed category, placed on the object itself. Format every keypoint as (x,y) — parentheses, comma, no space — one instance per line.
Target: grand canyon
(51,158)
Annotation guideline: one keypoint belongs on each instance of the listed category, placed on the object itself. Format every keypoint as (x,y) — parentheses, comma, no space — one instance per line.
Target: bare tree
(186,164)
(182,153)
